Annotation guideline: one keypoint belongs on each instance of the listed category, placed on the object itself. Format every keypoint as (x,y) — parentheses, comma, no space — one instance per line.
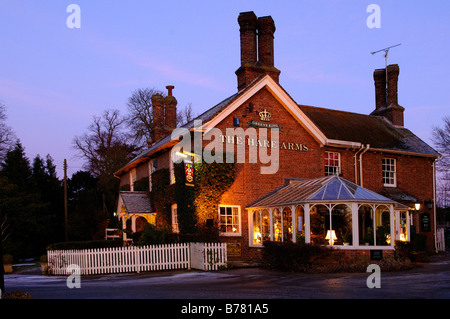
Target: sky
(54,79)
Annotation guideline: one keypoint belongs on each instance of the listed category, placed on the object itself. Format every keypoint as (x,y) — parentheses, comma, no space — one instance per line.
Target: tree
(140,118)
(107,146)
(7,137)
(441,139)
(16,168)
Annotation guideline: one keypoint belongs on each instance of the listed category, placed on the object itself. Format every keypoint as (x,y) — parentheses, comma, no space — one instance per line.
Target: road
(429,281)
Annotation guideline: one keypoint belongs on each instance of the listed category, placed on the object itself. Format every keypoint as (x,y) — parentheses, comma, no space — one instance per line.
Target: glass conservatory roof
(323,189)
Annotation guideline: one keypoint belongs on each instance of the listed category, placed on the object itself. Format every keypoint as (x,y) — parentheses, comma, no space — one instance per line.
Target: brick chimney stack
(170,107)
(257,49)
(158,117)
(266,29)
(379,76)
(248,23)
(386,96)
(164,115)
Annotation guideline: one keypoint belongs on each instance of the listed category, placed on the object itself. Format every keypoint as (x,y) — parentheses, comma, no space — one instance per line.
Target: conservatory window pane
(300,222)
(383,226)
(365,223)
(277,225)
(257,236)
(319,223)
(287,225)
(341,216)
(265,225)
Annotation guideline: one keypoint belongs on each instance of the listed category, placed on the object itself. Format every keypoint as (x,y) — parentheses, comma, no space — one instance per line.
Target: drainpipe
(356,164)
(434,203)
(360,163)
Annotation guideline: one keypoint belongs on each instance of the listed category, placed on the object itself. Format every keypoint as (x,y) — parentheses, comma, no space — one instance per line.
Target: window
(389,172)
(374,225)
(332,163)
(175,228)
(230,220)
(331,225)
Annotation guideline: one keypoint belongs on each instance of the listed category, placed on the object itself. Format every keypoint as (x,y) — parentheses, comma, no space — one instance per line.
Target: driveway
(429,281)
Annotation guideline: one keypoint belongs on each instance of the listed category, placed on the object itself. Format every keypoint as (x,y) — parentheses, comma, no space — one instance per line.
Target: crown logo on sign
(265,116)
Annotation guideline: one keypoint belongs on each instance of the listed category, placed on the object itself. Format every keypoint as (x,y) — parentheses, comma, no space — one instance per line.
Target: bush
(7,259)
(16,295)
(293,256)
(153,235)
(85,244)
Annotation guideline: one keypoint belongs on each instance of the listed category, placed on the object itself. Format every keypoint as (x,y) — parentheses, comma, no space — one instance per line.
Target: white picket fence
(207,256)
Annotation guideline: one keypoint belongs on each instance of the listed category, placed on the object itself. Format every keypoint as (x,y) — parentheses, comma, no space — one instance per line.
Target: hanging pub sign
(189,173)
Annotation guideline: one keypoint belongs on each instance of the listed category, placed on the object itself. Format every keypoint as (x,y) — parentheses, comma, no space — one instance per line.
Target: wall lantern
(417,206)
(331,236)
(430,204)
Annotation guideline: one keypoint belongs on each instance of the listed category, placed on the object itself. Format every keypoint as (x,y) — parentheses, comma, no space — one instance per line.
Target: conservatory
(328,211)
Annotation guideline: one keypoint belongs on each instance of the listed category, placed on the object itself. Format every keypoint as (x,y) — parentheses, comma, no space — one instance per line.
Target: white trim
(174,212)
(228,234)
(281,96)
(394,171)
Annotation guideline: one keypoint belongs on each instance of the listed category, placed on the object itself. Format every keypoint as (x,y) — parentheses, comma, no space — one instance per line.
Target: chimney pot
(169,89)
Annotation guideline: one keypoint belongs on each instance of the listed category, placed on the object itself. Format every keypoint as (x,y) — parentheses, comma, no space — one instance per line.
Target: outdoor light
(417,206)
(331,236)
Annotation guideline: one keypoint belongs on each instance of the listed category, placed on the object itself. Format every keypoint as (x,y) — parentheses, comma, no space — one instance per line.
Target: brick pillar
(392,88)
(266,29)
(170,107)
(248,26)
(158,117)
(380,88)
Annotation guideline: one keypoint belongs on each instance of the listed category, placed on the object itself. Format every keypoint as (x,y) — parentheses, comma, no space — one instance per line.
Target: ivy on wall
(161,197)
(198,204)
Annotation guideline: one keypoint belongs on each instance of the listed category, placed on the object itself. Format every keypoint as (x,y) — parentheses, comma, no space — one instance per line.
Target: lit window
(175,228)
(332,163)
(389,172)
(229,220)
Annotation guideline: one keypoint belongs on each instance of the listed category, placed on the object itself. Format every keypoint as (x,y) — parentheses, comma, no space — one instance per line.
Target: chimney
(170,107)
(158,117)
(379,76)
(266,29)
(392,84)
(386,96)
(248,26)
(256,35)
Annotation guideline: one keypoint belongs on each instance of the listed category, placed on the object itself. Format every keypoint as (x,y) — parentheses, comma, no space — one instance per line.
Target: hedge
(85,244)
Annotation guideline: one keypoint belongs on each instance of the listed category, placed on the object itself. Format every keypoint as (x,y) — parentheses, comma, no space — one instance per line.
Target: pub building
(357,182)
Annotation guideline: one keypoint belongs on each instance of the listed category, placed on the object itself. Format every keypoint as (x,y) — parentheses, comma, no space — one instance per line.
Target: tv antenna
(386,54)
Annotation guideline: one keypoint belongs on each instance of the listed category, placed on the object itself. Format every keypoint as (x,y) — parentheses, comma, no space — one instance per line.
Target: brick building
(310,174)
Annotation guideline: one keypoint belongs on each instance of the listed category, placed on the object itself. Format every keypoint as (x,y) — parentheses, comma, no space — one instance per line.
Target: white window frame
(391,180)
(175,227)
(332,166)
(239,232)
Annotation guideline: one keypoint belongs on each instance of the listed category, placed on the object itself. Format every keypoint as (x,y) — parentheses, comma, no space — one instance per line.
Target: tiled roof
(323,189)
(365,129)
(136,202)
(335,125)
